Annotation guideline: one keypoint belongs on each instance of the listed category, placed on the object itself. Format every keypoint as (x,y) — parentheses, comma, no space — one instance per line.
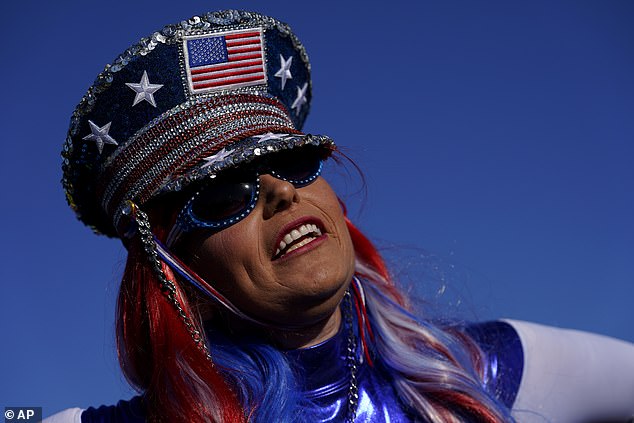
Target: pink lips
(308,220)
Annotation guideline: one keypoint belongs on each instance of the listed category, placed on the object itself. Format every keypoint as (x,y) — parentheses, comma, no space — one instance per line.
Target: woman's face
(252,262)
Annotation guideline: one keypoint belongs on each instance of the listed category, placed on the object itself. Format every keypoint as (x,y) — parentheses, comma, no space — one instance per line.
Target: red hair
(158,355)
(367,254)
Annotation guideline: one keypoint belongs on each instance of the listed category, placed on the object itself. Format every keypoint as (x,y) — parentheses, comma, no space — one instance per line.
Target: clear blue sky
(497,139)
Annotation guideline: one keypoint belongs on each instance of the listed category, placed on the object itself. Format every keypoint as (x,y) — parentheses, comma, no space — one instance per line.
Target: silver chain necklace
(351,360)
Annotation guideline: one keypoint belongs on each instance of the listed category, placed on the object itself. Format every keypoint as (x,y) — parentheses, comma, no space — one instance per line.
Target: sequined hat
(187,102)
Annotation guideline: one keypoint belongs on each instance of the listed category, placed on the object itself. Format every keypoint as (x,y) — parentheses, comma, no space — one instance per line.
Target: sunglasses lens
(300,167)
(222,200)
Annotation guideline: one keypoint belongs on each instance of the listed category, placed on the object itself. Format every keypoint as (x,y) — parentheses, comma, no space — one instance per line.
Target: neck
(289,339)
(307,336)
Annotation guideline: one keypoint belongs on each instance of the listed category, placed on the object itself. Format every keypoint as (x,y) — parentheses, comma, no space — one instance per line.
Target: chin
(320,302)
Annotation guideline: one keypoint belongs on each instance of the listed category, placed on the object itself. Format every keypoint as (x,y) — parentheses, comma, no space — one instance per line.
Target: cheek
(347,258)
(227,258)
(342,258)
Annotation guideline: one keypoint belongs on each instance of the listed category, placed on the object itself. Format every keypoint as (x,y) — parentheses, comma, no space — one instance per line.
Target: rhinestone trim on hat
(183,129)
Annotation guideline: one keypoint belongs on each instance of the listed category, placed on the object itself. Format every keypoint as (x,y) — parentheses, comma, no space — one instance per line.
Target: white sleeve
(572,376)
(71,415)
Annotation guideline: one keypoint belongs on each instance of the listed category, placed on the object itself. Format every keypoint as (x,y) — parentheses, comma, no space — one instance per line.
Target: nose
(278,195)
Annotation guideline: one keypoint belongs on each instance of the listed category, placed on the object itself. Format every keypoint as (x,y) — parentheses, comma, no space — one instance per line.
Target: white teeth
(296,234)
(300,244)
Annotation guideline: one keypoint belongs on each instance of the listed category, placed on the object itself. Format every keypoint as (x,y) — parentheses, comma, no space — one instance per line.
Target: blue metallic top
(327,377)
(326,382)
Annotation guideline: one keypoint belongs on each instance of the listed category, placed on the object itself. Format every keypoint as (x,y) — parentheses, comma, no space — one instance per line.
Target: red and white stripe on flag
(224,60)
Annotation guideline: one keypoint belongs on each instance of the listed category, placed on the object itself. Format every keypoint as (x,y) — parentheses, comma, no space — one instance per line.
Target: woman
(247,294)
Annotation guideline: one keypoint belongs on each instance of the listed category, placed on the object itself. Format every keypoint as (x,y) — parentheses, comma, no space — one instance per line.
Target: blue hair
(265,382)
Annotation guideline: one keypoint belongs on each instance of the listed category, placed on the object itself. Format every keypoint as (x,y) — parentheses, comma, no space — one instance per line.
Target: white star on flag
(270,136)
(144,90)
(285,70)
(218,157)
(100,135)
(300,100)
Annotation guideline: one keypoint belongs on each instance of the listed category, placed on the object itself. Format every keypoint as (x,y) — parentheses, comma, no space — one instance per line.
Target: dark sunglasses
(233,194)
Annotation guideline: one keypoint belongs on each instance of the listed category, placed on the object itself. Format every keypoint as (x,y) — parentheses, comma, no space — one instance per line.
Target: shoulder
(504,358)
(547,374)
(131,411)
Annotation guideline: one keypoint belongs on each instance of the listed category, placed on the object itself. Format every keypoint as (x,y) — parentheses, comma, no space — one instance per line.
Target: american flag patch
(224,60)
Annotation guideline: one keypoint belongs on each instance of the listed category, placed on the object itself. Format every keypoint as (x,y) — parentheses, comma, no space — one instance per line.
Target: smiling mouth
(297,238)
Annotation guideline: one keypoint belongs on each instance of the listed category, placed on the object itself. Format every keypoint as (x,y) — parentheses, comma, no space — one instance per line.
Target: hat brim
(243,152)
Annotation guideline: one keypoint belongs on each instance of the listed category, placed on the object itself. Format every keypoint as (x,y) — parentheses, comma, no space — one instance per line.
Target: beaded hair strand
(159,353)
